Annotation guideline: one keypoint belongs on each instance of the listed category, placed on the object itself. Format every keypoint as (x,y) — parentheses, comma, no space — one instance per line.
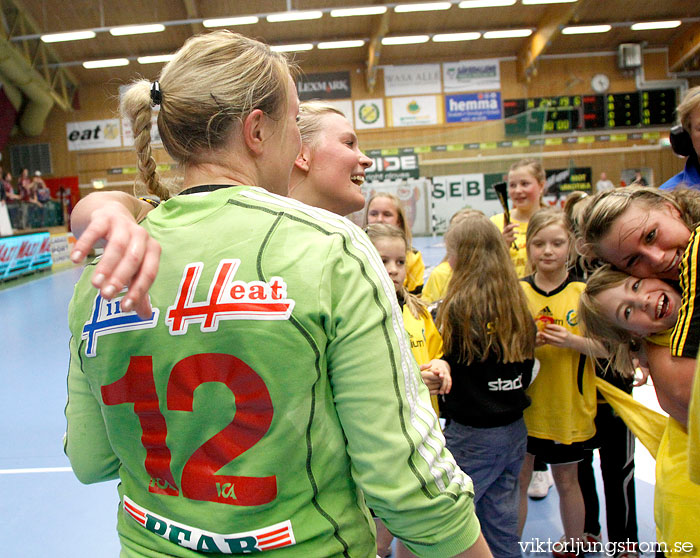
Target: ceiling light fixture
(406,40)
(137,29)
(534,2)
(585,29)
(159,58)
(111,63)
(508,34)
(71,36)
(349,12)
(485,3)
(648,25)
(294,16)
(230,21)
(292,48)
(426,7)
(450,37)
(340,44)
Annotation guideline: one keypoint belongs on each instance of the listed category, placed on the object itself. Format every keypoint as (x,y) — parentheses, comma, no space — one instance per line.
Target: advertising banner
(414,196)
(473,107)
(414,111)
(61,245)
(451,193)
(93,134)
(128,133)
(416,79)
(369,113)
(328,85)
(560,182)
(345,107)
(390,167)
(24,253)
(471,75)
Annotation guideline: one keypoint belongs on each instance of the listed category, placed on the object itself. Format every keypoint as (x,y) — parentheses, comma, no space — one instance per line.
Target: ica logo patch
(108,317)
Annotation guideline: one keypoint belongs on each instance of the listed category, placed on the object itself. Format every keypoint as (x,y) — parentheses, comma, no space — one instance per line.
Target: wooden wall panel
(555,76)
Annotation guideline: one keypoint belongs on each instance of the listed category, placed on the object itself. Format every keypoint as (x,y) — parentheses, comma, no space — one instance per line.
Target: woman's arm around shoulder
(131,256)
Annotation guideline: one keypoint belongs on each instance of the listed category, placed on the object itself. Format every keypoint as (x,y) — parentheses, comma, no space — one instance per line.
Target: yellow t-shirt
(518,250)
(436,285)
(415,270)
(694,429)
(676,498)
(564,393)
(426,342)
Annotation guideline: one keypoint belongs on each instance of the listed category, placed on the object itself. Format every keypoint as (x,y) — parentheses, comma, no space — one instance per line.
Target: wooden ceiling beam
(374,51)
(548,28)
(193,13)
(684,48)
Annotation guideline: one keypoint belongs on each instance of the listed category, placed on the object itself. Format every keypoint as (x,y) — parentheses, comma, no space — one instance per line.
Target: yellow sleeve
(433,338)
(518,250)
(415,270)
(436,285)
(685,340)
(694,430)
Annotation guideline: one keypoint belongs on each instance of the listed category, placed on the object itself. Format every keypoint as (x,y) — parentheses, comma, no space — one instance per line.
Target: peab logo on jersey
(267,538)
(107,317)
(227,299)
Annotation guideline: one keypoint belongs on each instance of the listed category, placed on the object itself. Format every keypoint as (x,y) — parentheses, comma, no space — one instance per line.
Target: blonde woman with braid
(235,414)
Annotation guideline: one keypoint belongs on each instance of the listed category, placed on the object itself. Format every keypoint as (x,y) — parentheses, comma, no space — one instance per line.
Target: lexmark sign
(330,85)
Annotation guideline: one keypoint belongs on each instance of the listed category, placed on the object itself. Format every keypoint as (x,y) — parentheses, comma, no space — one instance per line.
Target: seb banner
(24,253)
(451,193)
(454,192)
(329,85)
(93,134)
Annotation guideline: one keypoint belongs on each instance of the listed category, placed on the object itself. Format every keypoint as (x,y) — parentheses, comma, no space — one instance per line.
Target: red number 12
(252,420)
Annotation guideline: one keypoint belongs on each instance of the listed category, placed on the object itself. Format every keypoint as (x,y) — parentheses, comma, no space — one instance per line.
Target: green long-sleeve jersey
(270,397)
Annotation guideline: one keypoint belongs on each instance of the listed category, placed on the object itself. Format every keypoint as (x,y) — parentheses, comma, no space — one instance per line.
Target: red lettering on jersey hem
(273,536)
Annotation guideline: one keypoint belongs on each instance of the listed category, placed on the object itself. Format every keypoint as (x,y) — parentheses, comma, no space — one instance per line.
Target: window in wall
(35,157)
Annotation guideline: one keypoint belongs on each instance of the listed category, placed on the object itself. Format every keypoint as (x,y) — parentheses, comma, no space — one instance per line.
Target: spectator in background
(41,190)
(603,184)
(639,180)
(27,188)
(687,142)
(8,189)
(24,184)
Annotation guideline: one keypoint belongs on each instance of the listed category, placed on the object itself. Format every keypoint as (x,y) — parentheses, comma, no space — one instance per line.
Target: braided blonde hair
(214,81)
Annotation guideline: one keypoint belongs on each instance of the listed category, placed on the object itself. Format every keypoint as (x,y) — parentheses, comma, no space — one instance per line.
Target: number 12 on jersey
(252,420)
